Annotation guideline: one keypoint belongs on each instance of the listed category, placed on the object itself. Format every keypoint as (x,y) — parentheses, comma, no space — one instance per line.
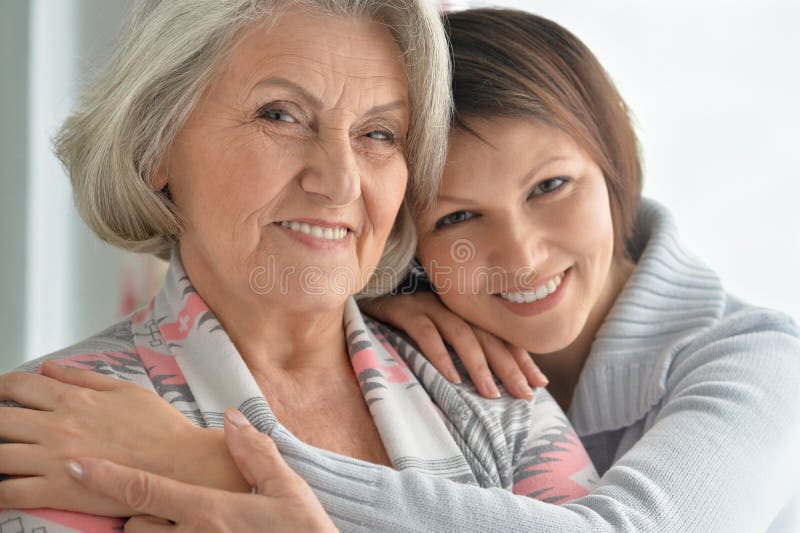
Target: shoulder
(749,358)
(111,352)
(757,337)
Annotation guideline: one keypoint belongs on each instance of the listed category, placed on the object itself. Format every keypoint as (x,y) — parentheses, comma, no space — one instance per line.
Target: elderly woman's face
(291,169)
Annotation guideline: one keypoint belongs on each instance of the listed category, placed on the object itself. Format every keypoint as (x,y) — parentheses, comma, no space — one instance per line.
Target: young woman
(682,394)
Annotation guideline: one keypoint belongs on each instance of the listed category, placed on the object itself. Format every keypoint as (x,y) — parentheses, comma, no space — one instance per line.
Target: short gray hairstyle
(164,59)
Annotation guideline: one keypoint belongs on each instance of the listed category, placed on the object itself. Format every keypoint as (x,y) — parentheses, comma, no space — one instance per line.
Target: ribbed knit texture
(698,391)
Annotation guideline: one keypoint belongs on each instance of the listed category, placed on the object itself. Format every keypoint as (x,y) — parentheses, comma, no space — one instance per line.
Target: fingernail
(236,418)
(453,376)
(524,389)
(543,379)
(491,388)
(75,469)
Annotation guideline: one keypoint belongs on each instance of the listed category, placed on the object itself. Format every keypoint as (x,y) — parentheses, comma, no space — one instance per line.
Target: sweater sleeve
(719,457)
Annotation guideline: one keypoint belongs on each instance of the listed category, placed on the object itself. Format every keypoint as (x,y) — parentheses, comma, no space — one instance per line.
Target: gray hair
(168,52)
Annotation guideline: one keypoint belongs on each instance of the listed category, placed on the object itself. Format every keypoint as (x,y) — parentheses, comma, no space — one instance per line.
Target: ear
(158,179)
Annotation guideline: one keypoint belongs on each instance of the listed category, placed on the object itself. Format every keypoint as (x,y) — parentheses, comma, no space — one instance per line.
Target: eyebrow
(317,103)
(522,182)
(455,199)
(292,86)
(534,171)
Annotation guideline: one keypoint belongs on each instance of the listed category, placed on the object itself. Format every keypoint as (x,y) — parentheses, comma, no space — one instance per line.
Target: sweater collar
(669,299)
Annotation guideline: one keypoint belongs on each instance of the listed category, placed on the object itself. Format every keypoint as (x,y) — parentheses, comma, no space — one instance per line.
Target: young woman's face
(521,241)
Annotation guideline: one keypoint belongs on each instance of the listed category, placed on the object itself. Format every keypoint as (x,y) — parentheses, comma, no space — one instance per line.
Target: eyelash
(563,180)
(274,111)
(271,109)
(445,222)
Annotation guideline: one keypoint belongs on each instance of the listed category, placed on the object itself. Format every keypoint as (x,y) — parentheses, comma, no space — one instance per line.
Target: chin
(544,339)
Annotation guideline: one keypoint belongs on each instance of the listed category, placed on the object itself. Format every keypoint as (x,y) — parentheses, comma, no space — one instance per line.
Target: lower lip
(317,243)
(539,306)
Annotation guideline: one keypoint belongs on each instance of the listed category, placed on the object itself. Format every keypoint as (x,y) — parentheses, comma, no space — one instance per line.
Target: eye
(454,218)
(278,115)
(381,135)
(548,186)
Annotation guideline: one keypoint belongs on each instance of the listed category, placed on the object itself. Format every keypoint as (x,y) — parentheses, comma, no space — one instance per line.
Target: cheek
(457,279)
(382,188)
(589,230)
(229,179)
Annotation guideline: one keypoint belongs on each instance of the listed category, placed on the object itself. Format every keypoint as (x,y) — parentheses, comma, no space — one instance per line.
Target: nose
(332,176)
(519,250)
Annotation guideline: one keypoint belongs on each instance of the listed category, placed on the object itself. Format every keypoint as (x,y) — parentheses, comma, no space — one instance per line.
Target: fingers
(256,456)
(141,491)
(31,390)
(425,333)
(534,374)
(21,425)
(404,313)
(461,337)
(23,492)
(149,524)
(22,459)
(79,377)
(504,365)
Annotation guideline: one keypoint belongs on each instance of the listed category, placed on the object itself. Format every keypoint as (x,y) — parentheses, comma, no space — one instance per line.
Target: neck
(273,339)
(563,368)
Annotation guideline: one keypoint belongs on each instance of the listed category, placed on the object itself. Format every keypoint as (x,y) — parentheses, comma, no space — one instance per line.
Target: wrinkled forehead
(333,57)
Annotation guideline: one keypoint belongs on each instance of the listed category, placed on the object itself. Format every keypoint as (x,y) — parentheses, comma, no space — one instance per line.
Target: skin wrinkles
(235,172)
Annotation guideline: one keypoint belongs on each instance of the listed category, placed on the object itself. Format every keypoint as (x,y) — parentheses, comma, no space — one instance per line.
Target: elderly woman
(276,152)
(685,395)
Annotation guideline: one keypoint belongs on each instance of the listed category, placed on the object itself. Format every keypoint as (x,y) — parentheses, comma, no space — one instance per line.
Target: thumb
(141,491)
(257,456)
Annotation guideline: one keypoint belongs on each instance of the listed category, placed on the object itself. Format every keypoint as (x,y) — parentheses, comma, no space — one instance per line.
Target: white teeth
(330,234)
(539,293)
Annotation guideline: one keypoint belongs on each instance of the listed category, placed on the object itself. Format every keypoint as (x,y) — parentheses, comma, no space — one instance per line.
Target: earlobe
(160,182)
(158,178)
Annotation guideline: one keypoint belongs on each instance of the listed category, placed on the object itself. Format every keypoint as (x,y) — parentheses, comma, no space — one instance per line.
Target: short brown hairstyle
(509,63)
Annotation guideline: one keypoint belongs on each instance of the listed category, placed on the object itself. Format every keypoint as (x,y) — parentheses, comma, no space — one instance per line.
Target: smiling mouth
(327,233)
(538,293)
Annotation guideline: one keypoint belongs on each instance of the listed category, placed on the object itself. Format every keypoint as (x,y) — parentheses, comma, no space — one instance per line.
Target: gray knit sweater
(686,404)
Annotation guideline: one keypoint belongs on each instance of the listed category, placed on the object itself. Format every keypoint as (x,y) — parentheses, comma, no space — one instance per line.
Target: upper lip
(323,223)
(538,282)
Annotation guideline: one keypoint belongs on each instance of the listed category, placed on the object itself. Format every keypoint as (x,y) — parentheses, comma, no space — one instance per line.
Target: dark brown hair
(509,63)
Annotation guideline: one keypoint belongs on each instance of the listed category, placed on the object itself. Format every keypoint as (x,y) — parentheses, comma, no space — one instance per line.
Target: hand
(283,499)
(72,412)
(430,323)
